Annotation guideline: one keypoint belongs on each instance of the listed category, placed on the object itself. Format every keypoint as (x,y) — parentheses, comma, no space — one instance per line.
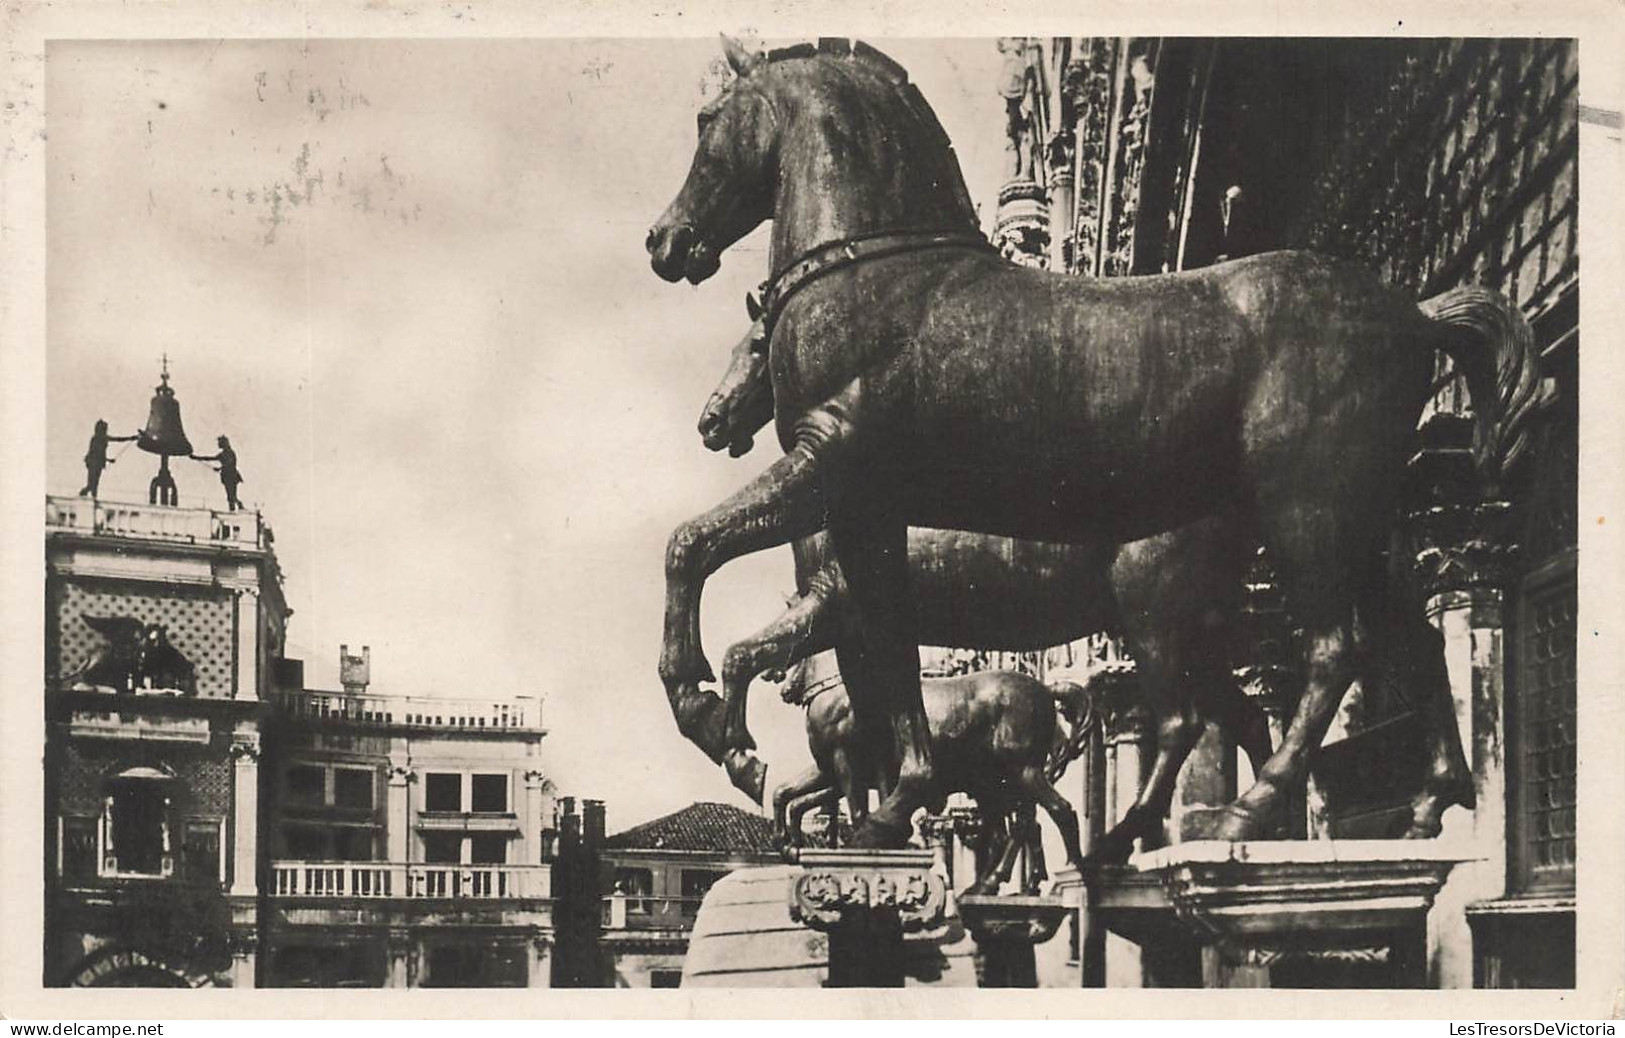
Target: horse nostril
(652,240)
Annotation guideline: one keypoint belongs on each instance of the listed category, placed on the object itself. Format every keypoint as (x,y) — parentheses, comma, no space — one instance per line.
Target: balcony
(205,526)
(521,713)
(644,912)
(416,881)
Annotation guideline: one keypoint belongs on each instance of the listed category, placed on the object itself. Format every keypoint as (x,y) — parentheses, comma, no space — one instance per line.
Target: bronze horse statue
(993,734)
(1173,598)
(920,379)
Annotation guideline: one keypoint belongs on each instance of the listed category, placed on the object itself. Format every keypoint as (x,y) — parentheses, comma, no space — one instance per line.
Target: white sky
(408,280)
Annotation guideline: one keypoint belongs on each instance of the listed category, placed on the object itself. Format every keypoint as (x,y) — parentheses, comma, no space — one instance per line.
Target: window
(307,785)
(442,792)
(490,793)
(665,978)
(200,850)
(442,848)
(488,849)
(352,788)
(304,843)
(637,884)
(351,844)
(136,827)
(78,863)
(475,966)
(695,884)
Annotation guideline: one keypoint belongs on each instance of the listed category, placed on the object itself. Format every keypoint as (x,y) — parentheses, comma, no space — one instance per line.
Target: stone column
(1463,560)
(399,822)
(402,951)
(531,825)
(1062,206)
(246,680)
(541,962)
(244,953)
(1127,733)
(245,801)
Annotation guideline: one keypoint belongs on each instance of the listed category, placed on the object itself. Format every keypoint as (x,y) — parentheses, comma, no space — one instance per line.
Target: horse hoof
(877,836)
(1235,824)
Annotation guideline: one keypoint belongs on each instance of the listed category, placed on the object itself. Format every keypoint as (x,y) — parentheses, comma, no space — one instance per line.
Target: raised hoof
(748,775)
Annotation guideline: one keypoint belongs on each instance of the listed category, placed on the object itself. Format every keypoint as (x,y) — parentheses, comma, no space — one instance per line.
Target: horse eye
(703,120)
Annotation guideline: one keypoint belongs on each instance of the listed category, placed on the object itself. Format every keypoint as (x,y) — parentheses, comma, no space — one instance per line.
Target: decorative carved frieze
(832,884)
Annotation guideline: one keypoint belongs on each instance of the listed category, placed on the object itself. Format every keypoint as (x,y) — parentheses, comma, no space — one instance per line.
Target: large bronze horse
(1174,598)
(919,379)
(993,734)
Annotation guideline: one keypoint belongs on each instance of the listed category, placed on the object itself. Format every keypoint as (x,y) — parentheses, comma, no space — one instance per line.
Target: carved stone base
(834,884)
(866,900)
(1315,913)
(1006,929)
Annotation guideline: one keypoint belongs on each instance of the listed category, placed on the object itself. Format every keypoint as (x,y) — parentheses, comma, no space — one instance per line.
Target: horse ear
(739,58)
(753,306)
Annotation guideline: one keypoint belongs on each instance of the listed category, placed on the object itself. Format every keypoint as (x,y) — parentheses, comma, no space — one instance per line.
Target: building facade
(211,822)
(1436,163)
(654,877)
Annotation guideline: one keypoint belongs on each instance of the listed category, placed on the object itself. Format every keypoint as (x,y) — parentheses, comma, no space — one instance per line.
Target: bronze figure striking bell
(163,433)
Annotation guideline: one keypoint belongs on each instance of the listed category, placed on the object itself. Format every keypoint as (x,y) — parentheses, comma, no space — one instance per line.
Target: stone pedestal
(1006,928)
(866,901)
(1288,913)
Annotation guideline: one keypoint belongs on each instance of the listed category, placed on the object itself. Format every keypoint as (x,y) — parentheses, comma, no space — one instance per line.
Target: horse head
(827,142)
(729,187)
(743,401)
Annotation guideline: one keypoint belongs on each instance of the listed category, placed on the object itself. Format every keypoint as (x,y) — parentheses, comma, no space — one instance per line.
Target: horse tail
(1074,703)
(1494,347)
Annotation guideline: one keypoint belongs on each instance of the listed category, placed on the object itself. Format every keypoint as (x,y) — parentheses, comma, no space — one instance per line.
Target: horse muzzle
(677,252)
(715,432)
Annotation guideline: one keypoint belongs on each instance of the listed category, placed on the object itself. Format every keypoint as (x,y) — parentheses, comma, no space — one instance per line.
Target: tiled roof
(704,826)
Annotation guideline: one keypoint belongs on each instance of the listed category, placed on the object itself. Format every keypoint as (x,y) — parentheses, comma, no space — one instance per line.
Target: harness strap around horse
(825,259)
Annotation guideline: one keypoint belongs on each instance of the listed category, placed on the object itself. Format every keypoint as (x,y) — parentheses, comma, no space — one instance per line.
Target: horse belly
(1059,416)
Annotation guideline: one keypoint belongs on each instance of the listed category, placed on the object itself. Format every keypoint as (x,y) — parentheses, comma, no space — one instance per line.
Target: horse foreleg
(800,631)
(781,504)
(880,664)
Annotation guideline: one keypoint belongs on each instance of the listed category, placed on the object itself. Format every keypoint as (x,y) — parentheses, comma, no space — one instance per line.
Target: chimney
(592,823)
(355,672)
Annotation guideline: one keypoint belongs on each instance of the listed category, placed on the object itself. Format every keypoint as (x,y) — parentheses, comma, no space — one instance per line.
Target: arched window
(136,806)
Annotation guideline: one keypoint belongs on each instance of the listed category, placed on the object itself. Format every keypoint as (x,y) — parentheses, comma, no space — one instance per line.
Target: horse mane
(839,48)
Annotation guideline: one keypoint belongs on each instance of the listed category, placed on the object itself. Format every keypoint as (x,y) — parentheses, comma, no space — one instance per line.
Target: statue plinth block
(1265,901)
(834,885)
(1027,918)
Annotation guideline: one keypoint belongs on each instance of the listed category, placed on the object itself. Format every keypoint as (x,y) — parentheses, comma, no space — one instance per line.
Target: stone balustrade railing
(518,713)
(412,880)
(239,529)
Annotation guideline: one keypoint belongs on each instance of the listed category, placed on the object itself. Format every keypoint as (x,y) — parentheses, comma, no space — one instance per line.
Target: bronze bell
(163,433)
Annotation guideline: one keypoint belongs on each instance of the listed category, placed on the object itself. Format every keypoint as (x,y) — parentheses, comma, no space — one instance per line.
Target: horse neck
(836,182)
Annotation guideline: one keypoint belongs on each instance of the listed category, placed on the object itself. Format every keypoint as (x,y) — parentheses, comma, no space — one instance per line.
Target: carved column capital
(1465,547)
(245,747)
(402,775)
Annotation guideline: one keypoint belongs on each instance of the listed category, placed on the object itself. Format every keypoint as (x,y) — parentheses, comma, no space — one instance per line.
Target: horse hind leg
(1038,787)
(1317,564)
(1408,650)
